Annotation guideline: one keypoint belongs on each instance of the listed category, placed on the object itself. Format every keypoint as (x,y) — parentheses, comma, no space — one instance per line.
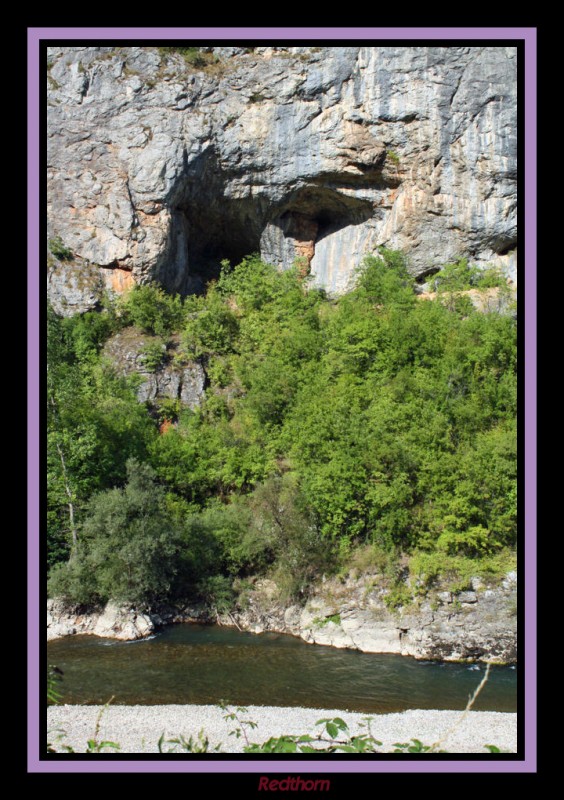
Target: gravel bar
(137,728)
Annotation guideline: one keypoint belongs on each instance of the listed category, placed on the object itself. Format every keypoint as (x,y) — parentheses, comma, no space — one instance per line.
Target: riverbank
(477,624)
(137,728)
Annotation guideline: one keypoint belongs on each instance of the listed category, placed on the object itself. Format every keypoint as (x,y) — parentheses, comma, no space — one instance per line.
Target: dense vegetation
(364,428)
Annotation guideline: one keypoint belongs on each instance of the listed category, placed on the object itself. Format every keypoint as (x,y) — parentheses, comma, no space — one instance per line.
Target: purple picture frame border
(529,306)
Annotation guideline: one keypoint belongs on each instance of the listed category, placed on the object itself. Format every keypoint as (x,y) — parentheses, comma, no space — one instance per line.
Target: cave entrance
(210,232)
(207,226)
(210,223)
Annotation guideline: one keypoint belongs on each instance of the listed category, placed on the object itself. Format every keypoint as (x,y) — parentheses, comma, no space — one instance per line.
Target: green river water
(209,664)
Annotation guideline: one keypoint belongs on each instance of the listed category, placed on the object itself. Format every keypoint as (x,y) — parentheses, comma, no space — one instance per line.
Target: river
(207,664)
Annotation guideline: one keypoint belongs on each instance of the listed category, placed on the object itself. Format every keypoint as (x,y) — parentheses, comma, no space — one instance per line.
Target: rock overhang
(165,170)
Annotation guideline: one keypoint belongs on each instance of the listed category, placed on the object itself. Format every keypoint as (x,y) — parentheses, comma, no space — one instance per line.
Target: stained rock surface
(159,169)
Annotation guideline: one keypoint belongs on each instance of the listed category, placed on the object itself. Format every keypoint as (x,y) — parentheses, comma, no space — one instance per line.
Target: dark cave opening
(211,221)
(505,248)
(207,225)
(329,208)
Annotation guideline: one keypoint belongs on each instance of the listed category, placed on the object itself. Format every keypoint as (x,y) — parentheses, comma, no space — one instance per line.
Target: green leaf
(492,748)
(287,747)
(331,729)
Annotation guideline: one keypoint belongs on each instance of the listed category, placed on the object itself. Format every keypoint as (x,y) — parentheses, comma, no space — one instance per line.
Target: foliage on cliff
(327,424)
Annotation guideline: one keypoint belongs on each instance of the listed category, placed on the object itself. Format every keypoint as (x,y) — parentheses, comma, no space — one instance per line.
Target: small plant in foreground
(413,746)
(94,745)
(54,678)
(97,745)
(190,745)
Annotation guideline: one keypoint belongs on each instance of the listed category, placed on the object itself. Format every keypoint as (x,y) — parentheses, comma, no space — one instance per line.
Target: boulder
(114,621)
(176,381)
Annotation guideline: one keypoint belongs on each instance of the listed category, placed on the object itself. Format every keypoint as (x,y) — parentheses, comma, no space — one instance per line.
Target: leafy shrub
(461,276)
(384,279)
(152,354)
(256,284)
(130,546)
(320,622)
(85,334)
(398,596)
(490,278)
(217,591)
(59,249)
(458,570)
(153,310)
(298,548)
(74,580)
(211,328)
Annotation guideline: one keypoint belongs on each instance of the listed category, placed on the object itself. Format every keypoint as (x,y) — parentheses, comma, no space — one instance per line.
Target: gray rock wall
(184,381)
(160,170)
(477,625)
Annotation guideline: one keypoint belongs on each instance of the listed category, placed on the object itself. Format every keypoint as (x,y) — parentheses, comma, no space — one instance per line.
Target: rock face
(469,626)
(114,621)
(185,382)
(158,170)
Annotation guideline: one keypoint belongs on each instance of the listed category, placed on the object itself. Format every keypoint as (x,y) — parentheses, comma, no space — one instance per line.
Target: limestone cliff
(158,169)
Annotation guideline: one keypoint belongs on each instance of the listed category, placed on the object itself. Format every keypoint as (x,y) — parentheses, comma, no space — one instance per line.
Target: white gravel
(138,728)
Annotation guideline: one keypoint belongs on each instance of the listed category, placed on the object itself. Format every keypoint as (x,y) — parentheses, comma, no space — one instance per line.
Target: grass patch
(321,622)
(193,56)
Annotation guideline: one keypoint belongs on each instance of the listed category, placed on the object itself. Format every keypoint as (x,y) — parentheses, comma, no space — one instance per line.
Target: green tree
(385,279)
(94,424)
(129,544)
